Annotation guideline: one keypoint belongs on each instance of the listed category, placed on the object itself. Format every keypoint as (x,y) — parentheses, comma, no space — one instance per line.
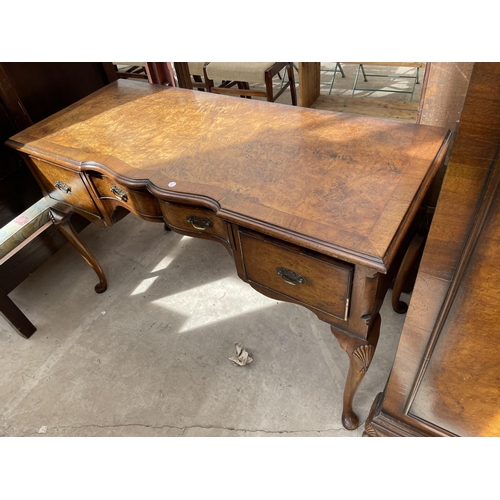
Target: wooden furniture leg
(360,352)
(183,76)
(412,255)
(293,90)
(198,79)
(63,224)
(15,316)
(245,86)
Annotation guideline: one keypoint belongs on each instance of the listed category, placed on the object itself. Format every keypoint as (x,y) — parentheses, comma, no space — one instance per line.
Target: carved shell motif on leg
(363,355)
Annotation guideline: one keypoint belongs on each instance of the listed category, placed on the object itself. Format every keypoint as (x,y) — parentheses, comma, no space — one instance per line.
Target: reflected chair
(243,74)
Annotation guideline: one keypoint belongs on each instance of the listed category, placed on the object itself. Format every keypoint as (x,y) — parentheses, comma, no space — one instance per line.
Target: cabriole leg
(63,224)
(360,352)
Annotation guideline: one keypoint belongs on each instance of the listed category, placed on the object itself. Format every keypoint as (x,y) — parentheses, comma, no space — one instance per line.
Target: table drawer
(65,186)
(313,279)
(141,202)
(195,221)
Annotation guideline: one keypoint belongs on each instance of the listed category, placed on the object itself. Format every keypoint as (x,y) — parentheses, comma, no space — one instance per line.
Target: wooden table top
(345,185)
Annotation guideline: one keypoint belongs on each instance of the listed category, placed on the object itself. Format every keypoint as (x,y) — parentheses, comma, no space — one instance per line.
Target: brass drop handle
(290,277)
(200,223)
(119,193)
(62,187)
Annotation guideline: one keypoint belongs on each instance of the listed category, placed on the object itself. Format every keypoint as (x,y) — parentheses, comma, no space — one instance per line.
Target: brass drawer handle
(62,187)
(290,277)
(119,193)
(200,223)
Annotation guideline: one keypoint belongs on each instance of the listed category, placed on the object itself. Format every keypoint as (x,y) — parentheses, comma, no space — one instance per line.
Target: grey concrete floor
(343,85)
(150,356)
(401,79)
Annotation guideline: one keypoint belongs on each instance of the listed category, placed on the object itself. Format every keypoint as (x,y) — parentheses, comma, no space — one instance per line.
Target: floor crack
(184,429)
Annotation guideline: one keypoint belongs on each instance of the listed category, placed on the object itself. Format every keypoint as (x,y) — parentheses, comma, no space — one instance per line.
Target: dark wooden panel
(18,188)
(47,87)
(18,191)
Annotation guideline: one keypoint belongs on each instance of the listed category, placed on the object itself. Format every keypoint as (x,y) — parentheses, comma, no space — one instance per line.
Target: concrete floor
(150,356)
(388,86)
(343,86)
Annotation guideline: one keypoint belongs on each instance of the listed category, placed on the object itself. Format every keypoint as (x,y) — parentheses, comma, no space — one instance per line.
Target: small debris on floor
(42,430)
(242,357)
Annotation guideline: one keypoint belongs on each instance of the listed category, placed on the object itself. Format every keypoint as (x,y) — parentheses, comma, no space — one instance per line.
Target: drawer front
(318,281)
(142,202)
(65,186)
(195,221)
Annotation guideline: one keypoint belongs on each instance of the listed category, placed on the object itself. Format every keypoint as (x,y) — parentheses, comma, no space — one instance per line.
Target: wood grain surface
(349,185)
(460,388)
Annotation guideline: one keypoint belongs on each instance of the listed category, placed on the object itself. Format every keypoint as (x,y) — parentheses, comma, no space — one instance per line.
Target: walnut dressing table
(315,207)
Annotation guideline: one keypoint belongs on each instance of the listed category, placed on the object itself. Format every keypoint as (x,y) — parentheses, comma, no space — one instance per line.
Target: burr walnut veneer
(316,208)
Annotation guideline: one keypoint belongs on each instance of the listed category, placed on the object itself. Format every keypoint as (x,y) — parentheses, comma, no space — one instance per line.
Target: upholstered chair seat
(196,68)
(251,72)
